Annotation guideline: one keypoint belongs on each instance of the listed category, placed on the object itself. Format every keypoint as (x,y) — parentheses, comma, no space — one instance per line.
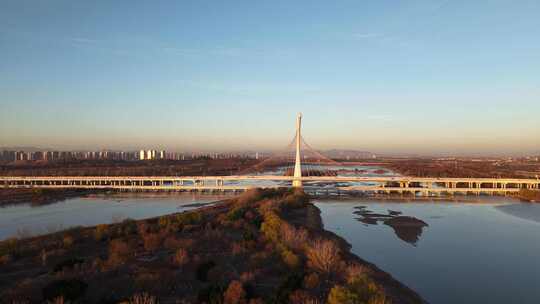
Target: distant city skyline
(36,153)
(390,77)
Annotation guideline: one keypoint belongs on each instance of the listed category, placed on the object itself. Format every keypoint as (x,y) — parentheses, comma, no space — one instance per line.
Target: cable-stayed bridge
(298,165)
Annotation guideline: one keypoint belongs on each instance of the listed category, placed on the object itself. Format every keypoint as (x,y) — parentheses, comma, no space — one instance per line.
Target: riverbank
(532,196)
(38,196)
(264,246)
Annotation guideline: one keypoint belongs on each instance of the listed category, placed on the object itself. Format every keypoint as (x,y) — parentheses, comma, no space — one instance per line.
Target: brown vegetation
(181,257)
(127,168)
(465,168)
(264,246)
(235,294)
(324,257)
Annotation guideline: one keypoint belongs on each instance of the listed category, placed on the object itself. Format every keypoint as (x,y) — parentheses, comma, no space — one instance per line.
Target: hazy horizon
(378,153)
(407,77)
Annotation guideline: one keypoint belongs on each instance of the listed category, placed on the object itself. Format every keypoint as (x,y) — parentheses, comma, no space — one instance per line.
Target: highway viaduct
(399,184)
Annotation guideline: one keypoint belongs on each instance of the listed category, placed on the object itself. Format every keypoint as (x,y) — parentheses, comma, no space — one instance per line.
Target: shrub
(181,257)
(323,256)
(250,196)
(128,227)
(249,235)
(291,283)
(292,237)
(354,270)
(301,297)
(250,215)
(97,264)
(311,281)
(143,298)
(271,226)
(164,221)
(359,290)
(69,290)
(152,241)
(220,273)
(237,248)
(260,259)
(43,256)
(101,232)
(235,294)
(238,224)
(6,258)
(236,213)
(68,263)
(119,252)
(142,227)
(203,269)
(58,300)
(9,247)
(296,199)
(290,259)
(186,242)
(256,221)
(212,294)
(247,276)
(211,233)
(268,205)
(147,280)
(189,218)
(173,243)
(341,295)
(68,241)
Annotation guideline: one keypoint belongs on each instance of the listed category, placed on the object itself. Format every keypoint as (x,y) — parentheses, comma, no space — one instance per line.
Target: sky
(387,76)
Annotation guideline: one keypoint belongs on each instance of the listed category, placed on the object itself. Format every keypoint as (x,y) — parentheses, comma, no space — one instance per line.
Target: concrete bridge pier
(219,183)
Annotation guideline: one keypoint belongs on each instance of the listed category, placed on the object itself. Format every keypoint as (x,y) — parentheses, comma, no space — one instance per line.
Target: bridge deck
(276,178)
(232,183)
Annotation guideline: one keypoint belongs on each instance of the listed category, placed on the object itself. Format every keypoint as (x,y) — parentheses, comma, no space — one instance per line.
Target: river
(473,250)
(25,220)
(469,252)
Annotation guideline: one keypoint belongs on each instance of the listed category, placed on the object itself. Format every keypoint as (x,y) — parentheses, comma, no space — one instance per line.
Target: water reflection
(27,220)
(407,228)
(471,253)
(523,211)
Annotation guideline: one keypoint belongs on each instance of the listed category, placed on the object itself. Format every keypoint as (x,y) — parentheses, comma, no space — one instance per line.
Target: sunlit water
(485,252)
(26,220)
(348,170)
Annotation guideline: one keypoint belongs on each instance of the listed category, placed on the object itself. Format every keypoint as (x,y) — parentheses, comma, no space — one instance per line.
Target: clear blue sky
(387,76)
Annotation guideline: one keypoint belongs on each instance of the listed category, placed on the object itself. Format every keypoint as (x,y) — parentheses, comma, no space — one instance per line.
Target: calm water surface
(25,220)
(469,253)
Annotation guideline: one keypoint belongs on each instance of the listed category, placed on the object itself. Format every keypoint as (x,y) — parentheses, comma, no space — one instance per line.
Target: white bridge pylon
(297,182)
(298,159)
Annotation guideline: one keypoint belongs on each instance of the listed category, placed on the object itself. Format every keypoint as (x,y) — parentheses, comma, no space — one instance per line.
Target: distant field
(464,168)
(125,168)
